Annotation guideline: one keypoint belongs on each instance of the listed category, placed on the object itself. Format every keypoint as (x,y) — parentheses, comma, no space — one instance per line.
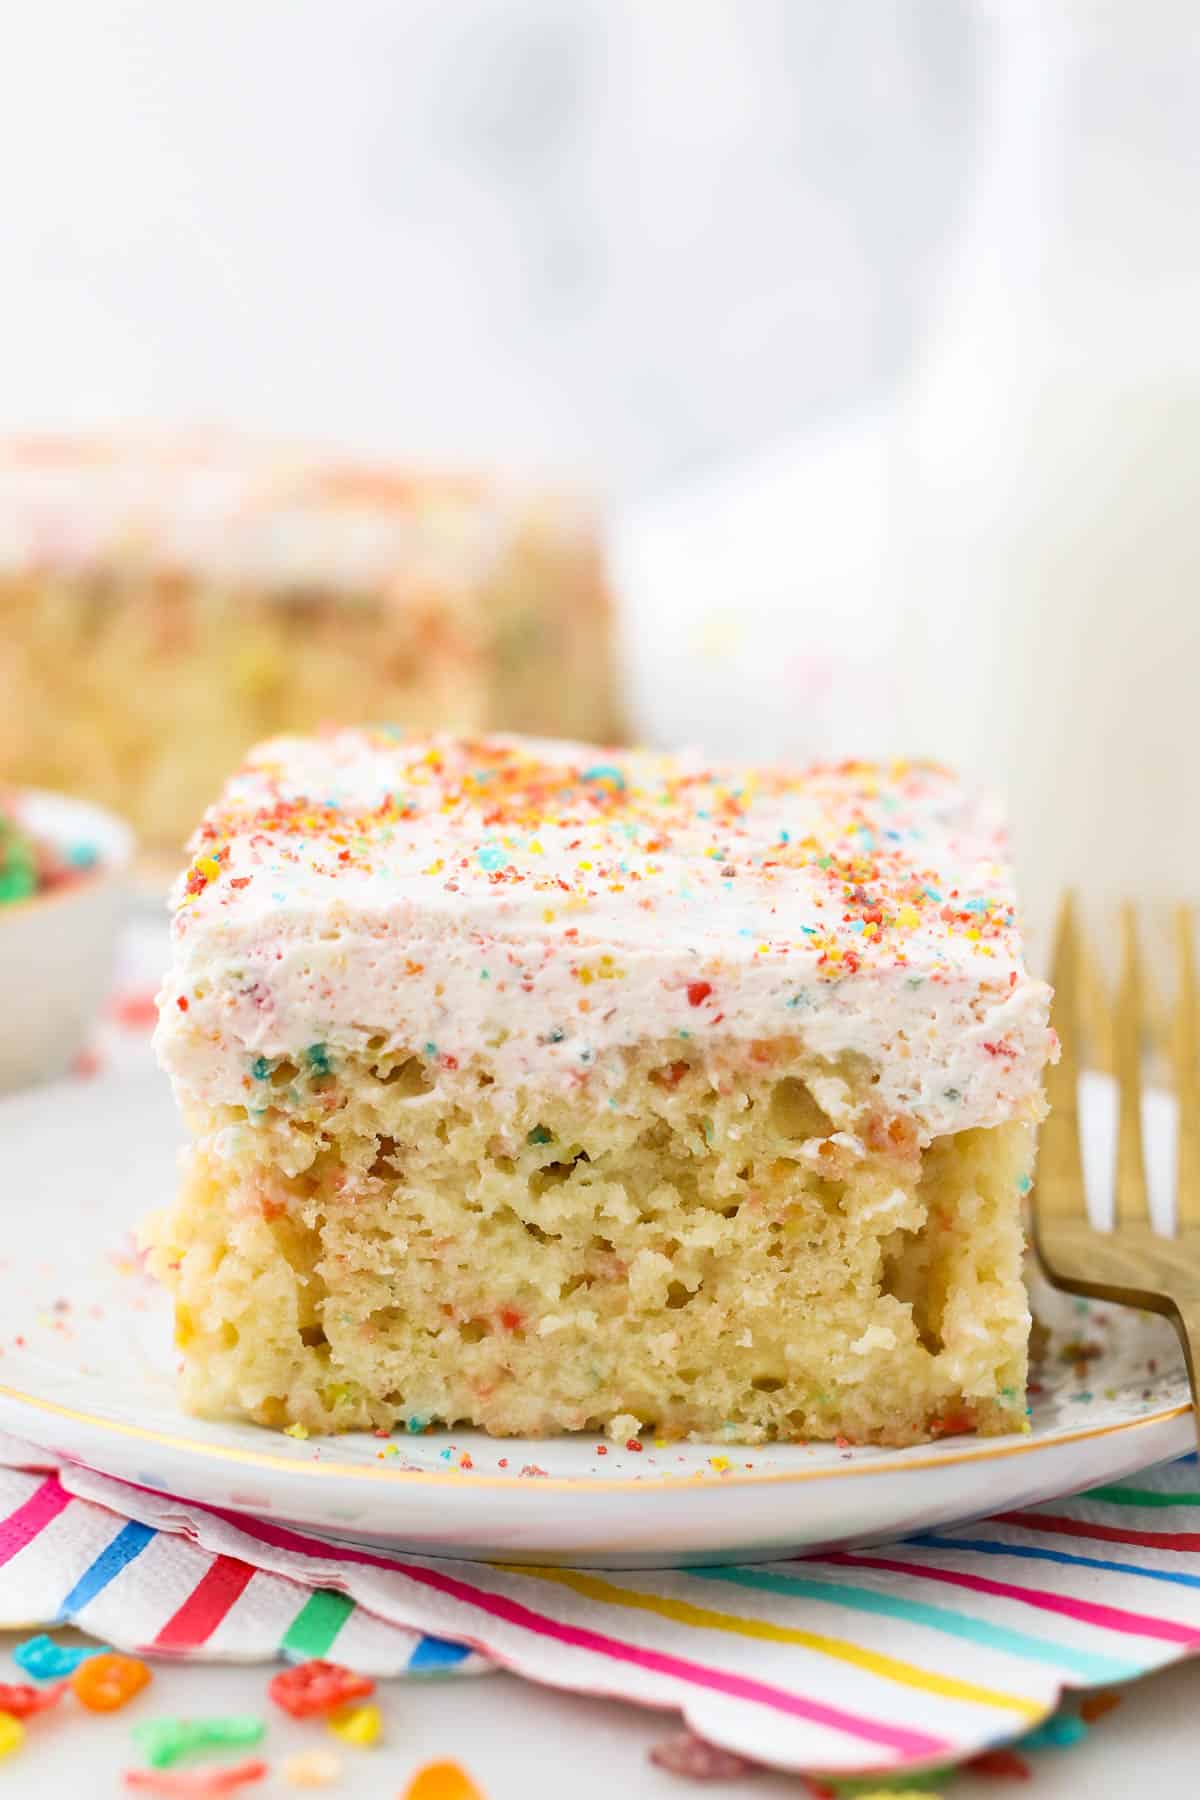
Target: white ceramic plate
(86,1372)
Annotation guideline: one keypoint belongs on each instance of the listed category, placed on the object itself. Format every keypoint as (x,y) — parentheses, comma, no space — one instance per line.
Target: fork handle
(1187,1324)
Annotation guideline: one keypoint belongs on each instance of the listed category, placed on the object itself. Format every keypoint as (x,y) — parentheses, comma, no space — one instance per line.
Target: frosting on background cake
(167,602)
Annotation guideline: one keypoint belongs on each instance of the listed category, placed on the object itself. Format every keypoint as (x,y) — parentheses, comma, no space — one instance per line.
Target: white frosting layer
(540,904)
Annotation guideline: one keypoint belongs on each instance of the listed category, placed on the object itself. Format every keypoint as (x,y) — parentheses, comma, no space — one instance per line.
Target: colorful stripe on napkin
(924,1652)
(66,1560)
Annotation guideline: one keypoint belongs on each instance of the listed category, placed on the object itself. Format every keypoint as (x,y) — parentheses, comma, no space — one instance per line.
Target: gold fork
(1132,1264)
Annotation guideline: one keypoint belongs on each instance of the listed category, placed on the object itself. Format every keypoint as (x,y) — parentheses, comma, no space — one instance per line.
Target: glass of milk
(1047,480)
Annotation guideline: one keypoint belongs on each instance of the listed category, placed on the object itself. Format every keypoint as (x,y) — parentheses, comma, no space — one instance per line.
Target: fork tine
(1132,1202)
(1060,1191)
(1187,1077)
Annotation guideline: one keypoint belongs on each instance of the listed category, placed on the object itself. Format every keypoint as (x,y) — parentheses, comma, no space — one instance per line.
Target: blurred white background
(626,235)
(875,322)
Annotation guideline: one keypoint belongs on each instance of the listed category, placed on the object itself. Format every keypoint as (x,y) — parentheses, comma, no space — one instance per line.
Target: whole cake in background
(165,604)
(544,1088)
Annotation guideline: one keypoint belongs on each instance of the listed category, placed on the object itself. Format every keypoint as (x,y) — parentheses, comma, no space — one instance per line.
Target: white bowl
(57,948)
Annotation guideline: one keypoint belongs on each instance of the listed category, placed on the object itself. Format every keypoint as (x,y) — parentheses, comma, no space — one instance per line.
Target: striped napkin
(922,1653)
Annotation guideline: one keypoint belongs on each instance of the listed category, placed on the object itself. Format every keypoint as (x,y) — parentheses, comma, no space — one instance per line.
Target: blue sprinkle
(539,1135)
(260,1068)
(484,976)
(604,772)
(416,1424)
(491,857)
(932,894)
(1055,1734)
(44,1660)
(318,1059)
(83,856)
(975,906)
(1024,1184)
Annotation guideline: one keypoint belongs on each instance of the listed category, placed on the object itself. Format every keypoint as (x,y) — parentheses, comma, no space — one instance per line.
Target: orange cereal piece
(104,1683)
(442,1781)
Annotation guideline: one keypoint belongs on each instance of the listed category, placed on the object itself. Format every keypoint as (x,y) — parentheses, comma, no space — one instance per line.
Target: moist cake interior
(378,1243)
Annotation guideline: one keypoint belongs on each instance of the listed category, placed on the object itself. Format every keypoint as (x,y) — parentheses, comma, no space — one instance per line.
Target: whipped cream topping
(537,904)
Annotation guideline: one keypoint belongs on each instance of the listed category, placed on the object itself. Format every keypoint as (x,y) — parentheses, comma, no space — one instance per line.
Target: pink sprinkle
(195,1784)
(698,1760)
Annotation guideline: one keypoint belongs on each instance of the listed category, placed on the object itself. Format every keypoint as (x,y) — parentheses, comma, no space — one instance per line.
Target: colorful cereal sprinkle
(164,1741)
(311,1769)
(105,1683)
(317,1687)
(361,1725)
(442,1781)
(195,1784)
(44,1660)
(697,1760)
(21,1701)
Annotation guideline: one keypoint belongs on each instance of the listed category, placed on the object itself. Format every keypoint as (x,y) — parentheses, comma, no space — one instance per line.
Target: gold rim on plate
(568,1484)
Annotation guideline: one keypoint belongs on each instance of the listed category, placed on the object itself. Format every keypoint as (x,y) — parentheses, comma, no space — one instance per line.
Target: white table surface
(520,1742)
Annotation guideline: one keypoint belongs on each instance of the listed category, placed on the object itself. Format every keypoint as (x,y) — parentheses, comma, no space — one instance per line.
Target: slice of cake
(166,604)
(546,1088)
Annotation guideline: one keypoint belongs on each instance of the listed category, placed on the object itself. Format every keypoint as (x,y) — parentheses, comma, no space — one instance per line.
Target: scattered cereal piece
(44,1660)
(12,1734)
(1055,1733)
(894,1794)
(361,1725)
(1002,1765)
(692,1756)
(21,1700)
(1095,1706)
(104,1683)
(163,1741)
(196,1784)
(311,1769)
(442,1781)
(317,1687)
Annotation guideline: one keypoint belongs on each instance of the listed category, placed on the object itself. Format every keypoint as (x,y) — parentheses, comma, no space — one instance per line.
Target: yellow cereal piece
(12,1734)
(296,1431)
(361,1725)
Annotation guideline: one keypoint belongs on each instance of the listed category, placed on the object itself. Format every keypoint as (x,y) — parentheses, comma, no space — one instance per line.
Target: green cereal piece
(164,1741)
